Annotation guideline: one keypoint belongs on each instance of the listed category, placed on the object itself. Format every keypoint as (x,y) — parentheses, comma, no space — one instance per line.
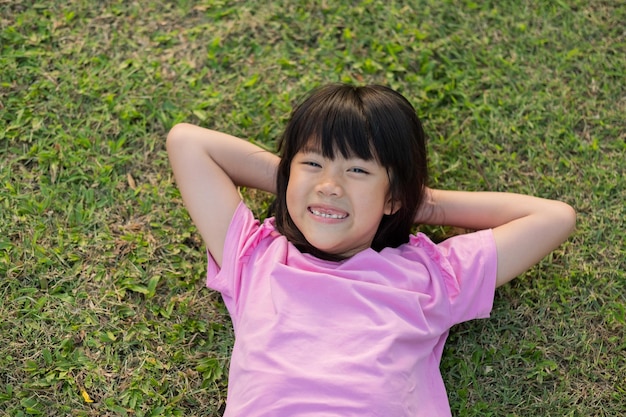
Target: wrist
(428,211)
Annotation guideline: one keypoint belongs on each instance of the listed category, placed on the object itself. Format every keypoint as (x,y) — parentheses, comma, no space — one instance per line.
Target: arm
(208,167)
(525,228)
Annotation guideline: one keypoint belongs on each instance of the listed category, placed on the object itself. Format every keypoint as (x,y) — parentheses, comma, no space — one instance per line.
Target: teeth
(328,215)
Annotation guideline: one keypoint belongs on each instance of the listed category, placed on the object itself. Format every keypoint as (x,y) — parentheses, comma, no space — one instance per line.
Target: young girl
(337,309)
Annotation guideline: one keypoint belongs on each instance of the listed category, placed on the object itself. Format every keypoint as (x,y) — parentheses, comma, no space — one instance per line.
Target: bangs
(334,125)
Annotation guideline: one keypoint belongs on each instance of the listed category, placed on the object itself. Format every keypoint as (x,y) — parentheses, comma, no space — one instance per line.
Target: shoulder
(246,238)
(459,248)
(246,232)
(469,265)
(456,261)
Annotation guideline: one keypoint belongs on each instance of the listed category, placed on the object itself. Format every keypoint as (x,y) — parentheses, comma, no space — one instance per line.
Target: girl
(337,309)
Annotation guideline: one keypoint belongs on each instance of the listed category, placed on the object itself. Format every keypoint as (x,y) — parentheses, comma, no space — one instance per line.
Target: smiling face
(337,123)
(337,203)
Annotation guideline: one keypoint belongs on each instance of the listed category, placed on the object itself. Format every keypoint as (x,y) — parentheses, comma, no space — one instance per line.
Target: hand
(428,212)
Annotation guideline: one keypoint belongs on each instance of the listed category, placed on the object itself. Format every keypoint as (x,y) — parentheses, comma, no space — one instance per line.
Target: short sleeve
(241,236)
(468,266)
(473,259)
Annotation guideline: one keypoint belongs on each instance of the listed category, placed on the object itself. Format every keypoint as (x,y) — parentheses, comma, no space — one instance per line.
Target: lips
(328,213)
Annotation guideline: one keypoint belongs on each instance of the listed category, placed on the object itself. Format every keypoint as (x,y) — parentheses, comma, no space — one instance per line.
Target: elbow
(182,146)
(570,215)
(567,217)
(573,218)
(176,135)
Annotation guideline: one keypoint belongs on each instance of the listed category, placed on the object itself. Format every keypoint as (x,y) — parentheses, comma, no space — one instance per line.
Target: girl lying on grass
(337,309)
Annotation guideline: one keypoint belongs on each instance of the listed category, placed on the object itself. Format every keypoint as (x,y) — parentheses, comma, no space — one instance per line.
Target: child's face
(338,203)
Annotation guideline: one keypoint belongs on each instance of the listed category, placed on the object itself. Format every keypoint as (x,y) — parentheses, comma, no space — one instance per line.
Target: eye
(358,170)
(311,164)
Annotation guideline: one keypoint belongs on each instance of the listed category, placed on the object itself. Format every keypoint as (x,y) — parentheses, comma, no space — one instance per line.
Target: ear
(392,206)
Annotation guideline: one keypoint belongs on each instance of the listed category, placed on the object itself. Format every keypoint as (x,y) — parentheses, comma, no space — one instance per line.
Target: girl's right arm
(208,167)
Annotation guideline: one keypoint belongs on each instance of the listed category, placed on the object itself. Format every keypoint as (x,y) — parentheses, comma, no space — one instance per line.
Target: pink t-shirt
(361,337)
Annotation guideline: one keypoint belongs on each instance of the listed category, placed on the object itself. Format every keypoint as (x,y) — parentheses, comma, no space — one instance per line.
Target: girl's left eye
(359,170)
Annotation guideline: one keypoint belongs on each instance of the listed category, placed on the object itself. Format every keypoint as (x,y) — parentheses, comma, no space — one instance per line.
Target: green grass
(102,271)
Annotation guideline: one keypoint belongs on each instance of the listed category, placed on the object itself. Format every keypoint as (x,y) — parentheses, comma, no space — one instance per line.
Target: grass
(103,309)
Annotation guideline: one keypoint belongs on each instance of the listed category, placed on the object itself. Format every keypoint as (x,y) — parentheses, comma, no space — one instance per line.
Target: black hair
(369,122)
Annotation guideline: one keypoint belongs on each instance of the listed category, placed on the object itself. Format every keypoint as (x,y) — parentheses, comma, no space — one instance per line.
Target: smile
(328,214)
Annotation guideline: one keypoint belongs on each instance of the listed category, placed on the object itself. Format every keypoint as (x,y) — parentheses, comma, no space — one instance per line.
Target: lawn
(103,310)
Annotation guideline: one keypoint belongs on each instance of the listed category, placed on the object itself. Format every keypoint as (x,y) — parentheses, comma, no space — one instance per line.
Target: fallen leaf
(86,396)
(131,181)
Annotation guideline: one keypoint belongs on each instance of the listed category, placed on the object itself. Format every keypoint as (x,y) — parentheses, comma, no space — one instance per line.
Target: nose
(330,185)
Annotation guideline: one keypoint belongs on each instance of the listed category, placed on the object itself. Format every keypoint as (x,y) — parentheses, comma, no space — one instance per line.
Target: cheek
(295,187)
(380,193)
(291,198)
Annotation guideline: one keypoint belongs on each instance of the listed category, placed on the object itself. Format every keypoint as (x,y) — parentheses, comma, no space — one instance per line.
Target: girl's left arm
(525,228)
